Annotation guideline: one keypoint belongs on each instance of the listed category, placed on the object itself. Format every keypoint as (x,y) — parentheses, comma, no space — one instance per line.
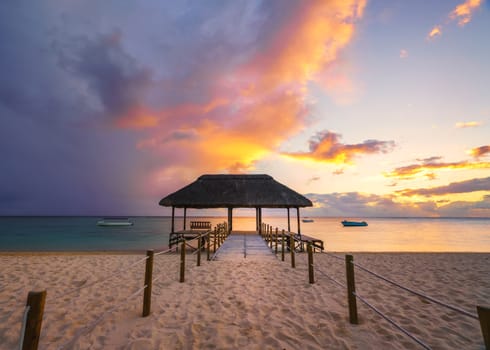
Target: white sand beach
(246,304)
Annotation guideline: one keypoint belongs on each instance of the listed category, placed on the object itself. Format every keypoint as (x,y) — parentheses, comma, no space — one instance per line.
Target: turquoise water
(382,234)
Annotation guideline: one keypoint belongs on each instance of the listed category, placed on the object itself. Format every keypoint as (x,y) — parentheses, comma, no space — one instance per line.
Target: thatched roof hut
(236,191)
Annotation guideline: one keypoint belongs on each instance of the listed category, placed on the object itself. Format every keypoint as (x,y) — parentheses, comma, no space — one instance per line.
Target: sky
(369,108)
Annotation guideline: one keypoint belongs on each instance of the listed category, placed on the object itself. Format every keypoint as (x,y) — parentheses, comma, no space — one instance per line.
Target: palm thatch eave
(235,191)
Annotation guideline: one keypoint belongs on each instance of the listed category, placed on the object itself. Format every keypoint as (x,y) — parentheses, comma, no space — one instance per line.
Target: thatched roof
(235,191)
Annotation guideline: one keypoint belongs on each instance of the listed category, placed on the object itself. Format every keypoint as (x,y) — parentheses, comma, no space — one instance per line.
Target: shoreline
(135,252)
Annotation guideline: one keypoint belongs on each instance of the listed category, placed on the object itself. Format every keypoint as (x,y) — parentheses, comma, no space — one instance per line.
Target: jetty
(231,192)
(244,245)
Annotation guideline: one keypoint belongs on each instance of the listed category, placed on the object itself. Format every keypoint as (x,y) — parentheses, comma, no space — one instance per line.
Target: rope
(164,251)
(414,338)
(23,329)
(87,329)
(332,279)
(454,308)
(117,273)
(244,246)
(332,255)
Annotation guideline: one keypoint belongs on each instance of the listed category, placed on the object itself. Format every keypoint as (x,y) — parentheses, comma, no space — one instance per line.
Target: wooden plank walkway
(243,245)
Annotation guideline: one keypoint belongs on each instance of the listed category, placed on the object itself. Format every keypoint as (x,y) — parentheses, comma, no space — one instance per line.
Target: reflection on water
(382,234)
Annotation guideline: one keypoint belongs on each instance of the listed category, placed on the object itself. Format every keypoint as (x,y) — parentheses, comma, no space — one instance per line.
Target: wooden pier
(247,245)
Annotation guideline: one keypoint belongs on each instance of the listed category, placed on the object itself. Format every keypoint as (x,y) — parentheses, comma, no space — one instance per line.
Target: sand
(245,303)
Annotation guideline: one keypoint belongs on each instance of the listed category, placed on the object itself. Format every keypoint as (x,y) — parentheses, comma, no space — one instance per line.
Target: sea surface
(381,235)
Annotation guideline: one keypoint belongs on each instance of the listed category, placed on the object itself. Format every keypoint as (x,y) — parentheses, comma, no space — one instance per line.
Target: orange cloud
(467,186)
(403,53)
(463,11)
(467,124)
(435,32)
(480,151)
(426,168)
(303,48)
(326,147)
(251,108)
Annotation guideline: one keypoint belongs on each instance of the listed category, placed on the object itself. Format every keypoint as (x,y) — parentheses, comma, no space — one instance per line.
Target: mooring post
(282,246)
(182,262)
(275,240)
(311,273)
(270,237)
(199,247)
(291,249)
(351,289)
(148,283)
(484,317)
(214,240)
(35,303)
(208,245)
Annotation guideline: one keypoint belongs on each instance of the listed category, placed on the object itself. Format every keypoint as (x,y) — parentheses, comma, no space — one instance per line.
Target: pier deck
(244,245)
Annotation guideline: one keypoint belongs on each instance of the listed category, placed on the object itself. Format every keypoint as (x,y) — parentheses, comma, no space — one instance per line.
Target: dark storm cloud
(112,76)
(53,162)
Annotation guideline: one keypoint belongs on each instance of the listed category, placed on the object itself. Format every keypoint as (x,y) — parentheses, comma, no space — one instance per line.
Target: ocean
(381,235)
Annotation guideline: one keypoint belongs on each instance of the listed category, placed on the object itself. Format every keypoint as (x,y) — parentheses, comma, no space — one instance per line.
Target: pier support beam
(185,217)
(299,227)
(173,220)
(257,222)
(230,219)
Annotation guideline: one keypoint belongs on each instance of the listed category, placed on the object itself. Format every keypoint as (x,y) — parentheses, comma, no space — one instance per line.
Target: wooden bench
(200,225)
(300,240)
(196,228)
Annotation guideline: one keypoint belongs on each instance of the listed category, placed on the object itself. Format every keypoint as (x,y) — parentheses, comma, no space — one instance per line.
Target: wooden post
(289,222)
(311,273)
(282,246)
(214,240)
(209,246)
(270,237)
(275,240)
(299,226)
(185,217)
(230,218)
(35,302)
(484,316)
(173,220)
(199,247)
(182,262)
(351,289)
(260,218)
(257,220)
(148,283)
(291,249)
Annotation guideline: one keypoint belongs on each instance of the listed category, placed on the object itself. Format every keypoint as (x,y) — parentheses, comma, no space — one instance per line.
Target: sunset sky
(369,108)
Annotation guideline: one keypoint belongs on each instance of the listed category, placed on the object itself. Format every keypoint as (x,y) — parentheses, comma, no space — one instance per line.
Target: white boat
(308,220)
(114,222)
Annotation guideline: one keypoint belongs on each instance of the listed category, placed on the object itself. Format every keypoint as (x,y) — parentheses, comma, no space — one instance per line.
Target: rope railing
(23,326)
(165,251)
(88,328)
(331,279)
(117,273)
(483,313)
(149,280)
(407,333)
(332,255)
(422,295)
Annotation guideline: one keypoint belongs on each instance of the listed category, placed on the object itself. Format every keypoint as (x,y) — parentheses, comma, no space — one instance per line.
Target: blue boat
(354,223)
